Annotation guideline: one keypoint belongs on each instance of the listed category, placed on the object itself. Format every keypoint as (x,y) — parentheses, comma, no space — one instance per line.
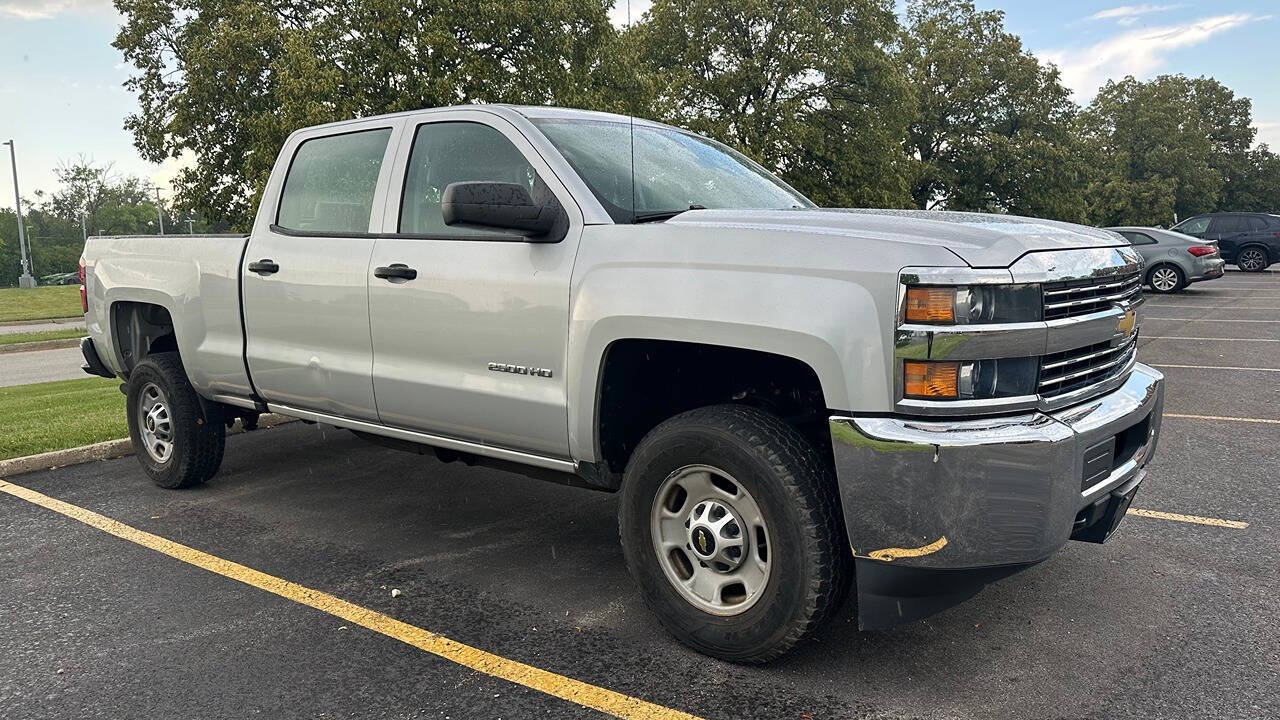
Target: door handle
(398,271)
(264,267)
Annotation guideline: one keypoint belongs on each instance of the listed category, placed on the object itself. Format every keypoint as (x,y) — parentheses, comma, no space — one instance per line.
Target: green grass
(42,303)
(40,335)
(59,415)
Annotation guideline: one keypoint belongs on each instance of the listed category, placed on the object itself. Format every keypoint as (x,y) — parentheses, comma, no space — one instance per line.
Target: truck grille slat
(1069,298)
(1073,370)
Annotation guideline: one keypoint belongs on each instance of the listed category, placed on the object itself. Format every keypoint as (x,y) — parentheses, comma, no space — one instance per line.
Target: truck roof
(533,112)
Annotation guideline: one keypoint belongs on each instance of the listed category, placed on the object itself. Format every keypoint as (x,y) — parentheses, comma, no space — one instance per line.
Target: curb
(108,450)
(43,321)
(39,345)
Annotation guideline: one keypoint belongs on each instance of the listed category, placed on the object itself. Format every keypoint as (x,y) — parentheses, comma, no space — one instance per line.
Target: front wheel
(1252,259)
(174,444)
(1166,279)
(730,524)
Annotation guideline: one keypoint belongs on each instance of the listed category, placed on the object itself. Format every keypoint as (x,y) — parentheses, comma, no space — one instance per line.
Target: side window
(1228,224)
(1137,238)
(1256,223)
(331,183)
(449,152)
(1194,226)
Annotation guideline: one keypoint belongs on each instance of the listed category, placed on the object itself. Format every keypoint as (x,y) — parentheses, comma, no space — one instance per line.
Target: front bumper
(936,509)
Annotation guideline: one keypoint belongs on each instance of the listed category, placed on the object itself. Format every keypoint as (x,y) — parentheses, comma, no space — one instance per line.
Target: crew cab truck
(787,399)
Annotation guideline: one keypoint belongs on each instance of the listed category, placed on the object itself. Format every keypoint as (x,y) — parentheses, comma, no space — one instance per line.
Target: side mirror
(508,206)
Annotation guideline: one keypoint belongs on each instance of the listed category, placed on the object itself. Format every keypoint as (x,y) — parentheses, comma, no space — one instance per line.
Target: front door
(306,274)
(473,346)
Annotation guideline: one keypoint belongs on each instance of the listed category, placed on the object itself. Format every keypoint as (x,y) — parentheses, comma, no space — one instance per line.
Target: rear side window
(1256,223)
(1137,238)
(449,152)
(1230,224)
(331,183)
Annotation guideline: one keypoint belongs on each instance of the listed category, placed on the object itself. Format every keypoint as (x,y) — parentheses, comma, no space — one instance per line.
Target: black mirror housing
(508,206)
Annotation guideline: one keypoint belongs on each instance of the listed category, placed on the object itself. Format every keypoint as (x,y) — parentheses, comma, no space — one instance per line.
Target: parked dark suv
(1250,240)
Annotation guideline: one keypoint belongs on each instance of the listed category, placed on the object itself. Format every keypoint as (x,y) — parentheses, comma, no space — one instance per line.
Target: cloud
(618,13)
(1129,14)
(1268,134)
(47,9)
(1136,52)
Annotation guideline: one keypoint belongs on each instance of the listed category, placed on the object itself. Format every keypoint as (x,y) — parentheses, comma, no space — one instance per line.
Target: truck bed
(196,278)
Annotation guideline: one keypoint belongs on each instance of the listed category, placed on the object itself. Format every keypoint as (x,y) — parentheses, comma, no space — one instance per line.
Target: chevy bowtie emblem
(1125,324)
(702,542)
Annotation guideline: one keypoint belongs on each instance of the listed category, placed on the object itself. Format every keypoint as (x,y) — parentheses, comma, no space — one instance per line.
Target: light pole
(159,212)
(24,280)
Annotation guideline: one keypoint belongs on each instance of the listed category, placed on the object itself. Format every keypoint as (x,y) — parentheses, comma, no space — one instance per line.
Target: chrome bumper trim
(1000,490)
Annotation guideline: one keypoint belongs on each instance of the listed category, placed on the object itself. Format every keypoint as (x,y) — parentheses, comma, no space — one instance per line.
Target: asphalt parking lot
(1170,619)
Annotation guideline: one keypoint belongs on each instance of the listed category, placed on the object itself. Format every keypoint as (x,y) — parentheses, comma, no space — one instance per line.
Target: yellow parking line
(1198,520)
(1264,421)
(559,686)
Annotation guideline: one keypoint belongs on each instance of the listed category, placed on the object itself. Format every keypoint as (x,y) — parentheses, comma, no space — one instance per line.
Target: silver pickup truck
(789,400)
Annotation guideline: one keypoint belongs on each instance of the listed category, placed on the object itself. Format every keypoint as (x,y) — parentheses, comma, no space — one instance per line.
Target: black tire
(1253,258)
(197,446)
(1165,267)
(796,492)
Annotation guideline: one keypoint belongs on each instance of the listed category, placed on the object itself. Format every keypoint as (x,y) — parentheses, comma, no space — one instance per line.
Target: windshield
(674,170)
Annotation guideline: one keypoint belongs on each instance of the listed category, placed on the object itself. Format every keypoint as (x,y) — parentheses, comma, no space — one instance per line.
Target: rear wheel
(174,444)
(730,525)
(1252,259)
(1166,279)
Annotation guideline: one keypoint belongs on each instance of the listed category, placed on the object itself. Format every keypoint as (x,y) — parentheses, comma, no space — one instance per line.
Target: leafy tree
(227,80)
(1172,145)
(1257,186)
(993,128)
(806,88)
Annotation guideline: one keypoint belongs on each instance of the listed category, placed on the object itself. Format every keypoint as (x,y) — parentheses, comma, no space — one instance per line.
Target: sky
(61,93)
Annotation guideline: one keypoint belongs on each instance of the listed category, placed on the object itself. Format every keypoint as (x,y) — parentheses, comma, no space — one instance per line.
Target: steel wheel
(711,539)
(1165,279)
(155,423)
(1252,260)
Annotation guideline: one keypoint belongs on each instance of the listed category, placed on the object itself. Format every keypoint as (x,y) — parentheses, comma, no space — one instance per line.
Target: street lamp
(24,280)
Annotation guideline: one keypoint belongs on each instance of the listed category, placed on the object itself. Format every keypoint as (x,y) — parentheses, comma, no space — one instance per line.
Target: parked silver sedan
(1173,260)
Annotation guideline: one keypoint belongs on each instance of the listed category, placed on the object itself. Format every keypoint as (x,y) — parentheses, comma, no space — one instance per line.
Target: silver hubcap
(710,539)
(1252,260)
(1165,279)
(155,423)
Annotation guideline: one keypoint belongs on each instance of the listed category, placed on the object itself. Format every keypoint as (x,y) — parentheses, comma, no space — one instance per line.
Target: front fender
(831,324)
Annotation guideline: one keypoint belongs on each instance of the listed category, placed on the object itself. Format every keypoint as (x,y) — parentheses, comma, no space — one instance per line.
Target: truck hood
(979,239)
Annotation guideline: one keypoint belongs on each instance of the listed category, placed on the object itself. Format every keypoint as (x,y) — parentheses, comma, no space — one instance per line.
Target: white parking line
(1181,337)
(1205,319)
(1228,418)
(1212,367)
(1215,307)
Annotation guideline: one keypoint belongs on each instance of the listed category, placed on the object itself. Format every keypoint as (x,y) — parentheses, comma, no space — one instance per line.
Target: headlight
(969,380)
(973,304)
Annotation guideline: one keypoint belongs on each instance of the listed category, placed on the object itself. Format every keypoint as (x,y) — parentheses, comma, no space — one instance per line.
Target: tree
(805,88)
(993,129)
(1173,144)
(227,80)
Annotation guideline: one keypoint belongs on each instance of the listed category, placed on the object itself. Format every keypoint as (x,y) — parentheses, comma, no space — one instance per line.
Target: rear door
(473,347)
(306,275)
(1228,230)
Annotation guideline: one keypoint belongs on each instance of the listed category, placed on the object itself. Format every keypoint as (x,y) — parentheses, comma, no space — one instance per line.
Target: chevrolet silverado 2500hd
(788,399)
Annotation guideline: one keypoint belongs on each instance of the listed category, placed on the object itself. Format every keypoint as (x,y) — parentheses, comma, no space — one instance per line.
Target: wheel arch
(641,381)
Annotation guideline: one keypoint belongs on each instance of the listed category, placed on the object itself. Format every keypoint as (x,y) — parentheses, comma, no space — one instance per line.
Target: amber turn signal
(930,305)
(930,380)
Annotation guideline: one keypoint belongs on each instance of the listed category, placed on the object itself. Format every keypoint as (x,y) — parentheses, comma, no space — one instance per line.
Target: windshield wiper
(659,216)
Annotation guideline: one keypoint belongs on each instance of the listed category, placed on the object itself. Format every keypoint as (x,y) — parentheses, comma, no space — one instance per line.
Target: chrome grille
(1071,370)
(1069,298)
